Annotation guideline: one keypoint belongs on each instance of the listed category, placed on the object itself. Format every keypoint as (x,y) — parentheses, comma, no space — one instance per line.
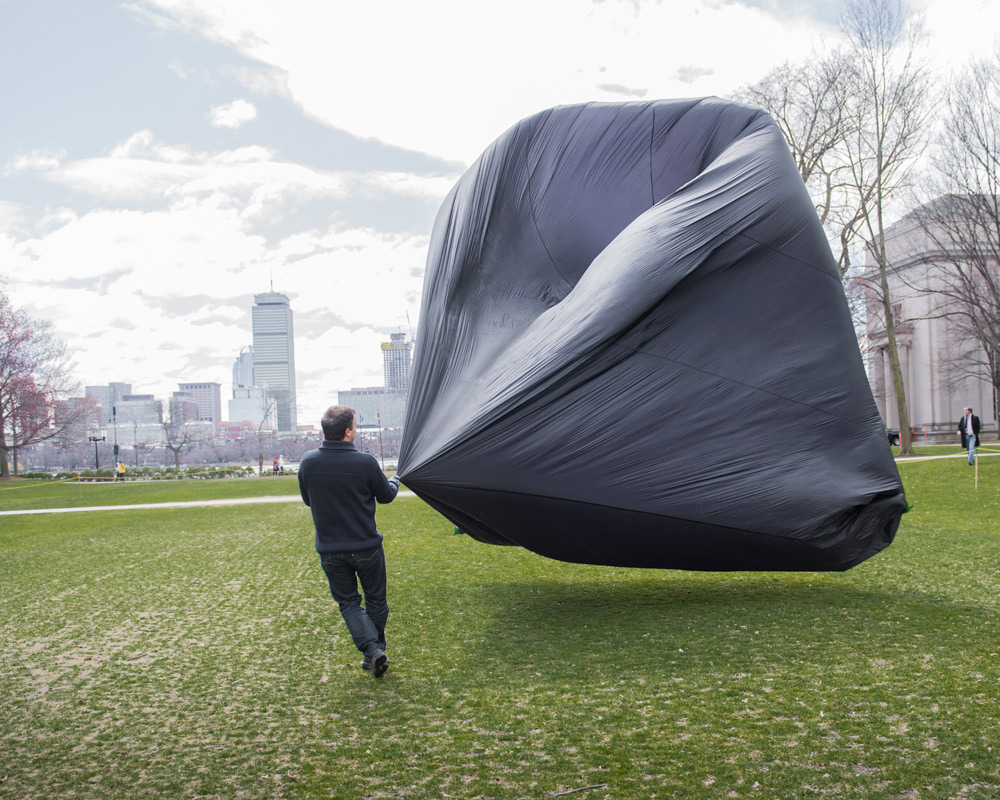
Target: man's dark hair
(336,421)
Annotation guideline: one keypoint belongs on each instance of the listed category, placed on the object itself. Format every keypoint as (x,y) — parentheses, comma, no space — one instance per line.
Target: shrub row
(195,472)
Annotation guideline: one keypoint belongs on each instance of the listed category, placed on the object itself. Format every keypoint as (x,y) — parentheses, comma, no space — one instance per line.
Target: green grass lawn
(183,653)
(20,495)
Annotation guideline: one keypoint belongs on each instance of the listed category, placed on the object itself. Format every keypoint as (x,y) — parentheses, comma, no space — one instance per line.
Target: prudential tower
(274,355)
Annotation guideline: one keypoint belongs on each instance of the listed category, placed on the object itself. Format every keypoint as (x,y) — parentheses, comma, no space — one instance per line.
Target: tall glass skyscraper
(396,358)
(274,354)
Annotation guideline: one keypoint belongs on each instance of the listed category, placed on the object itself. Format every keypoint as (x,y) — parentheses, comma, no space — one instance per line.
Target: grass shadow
(717,617)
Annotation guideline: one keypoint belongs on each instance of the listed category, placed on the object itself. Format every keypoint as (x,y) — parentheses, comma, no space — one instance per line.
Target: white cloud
(448,77)
(960,27)
(144,171)
(11,215)
(36,160)
(232,115)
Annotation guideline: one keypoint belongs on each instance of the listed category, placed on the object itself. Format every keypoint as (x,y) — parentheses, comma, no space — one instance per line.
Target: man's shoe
(366,663)
(380,663)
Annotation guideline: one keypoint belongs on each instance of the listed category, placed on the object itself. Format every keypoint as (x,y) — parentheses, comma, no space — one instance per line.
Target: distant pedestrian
(119,472)
(281,465)
(274,468)
(968,429)
(341,486)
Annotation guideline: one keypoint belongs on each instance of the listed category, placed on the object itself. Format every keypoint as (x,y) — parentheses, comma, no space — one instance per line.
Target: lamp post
(114,424)
(95,440)
(381,455)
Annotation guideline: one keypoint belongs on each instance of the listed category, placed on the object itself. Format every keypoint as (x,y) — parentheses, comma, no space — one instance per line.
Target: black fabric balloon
(634,349)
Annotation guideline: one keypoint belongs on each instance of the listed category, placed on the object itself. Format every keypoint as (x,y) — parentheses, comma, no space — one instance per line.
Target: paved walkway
(979,454)
(236,501)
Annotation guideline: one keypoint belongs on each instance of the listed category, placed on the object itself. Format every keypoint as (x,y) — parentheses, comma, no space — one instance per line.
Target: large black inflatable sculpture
(634,349)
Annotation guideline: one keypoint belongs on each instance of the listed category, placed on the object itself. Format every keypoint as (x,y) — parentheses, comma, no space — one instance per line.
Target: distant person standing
(968,429)
(274,466)
(119,472)
(341,486)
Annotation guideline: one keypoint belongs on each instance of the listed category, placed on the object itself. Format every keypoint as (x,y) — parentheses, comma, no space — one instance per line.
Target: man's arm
(302,487)
(384,489)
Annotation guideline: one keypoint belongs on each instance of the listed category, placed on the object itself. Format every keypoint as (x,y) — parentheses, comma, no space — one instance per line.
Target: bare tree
(963,222)
(35,380)
(177,436)
(809,103)
(273,401)
(889,107)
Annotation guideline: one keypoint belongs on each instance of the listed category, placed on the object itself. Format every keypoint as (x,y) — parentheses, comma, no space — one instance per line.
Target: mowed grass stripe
(196,653)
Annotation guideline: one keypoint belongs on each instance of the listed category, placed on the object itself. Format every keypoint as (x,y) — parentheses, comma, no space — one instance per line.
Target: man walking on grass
(968,429)
(341,485)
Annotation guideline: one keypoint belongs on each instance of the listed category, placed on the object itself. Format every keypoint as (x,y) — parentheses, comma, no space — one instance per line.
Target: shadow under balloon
(714,616)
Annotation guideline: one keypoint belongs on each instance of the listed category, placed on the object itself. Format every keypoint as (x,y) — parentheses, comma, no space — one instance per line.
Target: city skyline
(205,398)
(163,161)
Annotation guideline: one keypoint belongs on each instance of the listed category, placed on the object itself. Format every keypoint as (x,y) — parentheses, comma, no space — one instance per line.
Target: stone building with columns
(943,368)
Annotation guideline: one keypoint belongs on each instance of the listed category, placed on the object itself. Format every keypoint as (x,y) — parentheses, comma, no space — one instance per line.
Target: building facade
(208,397)
(243,369)
(106,398)
(248,406)
(368,404)
(938,360)
(183,408)
(274,355)
(141,409)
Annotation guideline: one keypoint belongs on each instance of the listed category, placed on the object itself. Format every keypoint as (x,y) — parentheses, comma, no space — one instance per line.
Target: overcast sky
(163,160)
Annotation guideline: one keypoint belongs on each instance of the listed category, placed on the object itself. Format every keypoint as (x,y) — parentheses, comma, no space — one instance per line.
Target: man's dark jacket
(975,430)
(341,486)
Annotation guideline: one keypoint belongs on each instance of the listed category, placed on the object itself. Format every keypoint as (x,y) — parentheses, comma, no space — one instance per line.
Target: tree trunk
(905,441)
(4,468)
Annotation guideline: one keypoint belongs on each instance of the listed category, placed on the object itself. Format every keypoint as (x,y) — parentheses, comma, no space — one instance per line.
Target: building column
(891,414)
(904,367)
(877,371)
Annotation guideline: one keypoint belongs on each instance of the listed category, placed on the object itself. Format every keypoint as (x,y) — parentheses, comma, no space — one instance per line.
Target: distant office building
(208,396)
(248,405)
(107,397)
(234,431)
(68,409)
(183,408)
(397,356)
(100,397)
(274,354)
(243,369)
(368,404)
(141,409)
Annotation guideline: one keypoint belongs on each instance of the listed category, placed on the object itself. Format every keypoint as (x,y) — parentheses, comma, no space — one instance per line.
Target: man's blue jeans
(344,571)
(971,440)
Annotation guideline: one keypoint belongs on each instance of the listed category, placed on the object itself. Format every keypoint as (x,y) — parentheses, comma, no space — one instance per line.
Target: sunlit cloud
(232,115)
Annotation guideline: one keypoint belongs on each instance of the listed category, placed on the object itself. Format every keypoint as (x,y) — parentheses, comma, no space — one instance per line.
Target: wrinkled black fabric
(634,349)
